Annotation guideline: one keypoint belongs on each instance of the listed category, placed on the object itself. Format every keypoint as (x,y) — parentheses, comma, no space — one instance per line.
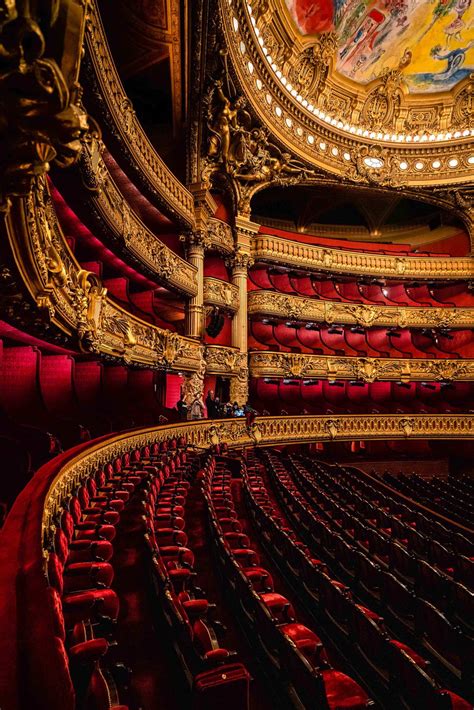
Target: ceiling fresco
(433,40)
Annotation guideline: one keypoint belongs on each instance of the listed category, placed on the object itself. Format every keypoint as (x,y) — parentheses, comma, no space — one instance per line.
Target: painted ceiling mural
(432,39)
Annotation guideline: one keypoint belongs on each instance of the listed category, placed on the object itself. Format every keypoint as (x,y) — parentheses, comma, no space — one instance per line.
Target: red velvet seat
(281,609)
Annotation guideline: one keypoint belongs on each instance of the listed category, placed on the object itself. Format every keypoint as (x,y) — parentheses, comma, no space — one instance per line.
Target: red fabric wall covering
(214,266)
(337,243)
(173,390)
(224,337)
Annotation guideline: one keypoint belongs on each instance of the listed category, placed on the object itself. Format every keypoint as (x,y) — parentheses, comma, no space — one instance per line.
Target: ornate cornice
(219,236)
(221,293)
(119,116)
(41,119)
(369,152)
(113,209)
(266,431)
(267,247)
(277,364)
(75,301)
(298,308)
(221,360)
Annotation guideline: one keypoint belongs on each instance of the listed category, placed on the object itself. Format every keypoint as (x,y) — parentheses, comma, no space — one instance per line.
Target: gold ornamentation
(278,364)
(125,224)
(220,236)
(299,308)
(41,119)
(159,181)
(275,249)
(221,293)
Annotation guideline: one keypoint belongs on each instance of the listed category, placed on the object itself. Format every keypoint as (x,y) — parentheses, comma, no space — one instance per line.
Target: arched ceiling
(434,39)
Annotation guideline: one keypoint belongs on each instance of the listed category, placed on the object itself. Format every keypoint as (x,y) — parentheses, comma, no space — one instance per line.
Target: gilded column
(240,263)
(204,208)
(195,309)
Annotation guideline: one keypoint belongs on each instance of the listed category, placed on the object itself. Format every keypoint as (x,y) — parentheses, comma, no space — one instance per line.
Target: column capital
(205,205)
(240,262)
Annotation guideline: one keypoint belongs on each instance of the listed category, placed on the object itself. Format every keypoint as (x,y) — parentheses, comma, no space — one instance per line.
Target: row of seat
(333,288)
(392,662)
(189,615)
(320,339)
(443,496)
(366,552)
(137,293)
(304,396)
(292,651)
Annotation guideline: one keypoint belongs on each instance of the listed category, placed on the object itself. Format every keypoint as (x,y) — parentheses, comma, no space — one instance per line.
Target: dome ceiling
(433,40)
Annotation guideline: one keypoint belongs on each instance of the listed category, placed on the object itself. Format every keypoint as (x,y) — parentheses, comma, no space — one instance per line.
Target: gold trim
(310,309)
(325,143)
(277,364)
(76,301)
(219,236)
(125,224)
(173,195)
(221,293)
(222,360)
(266,247)
(266,431)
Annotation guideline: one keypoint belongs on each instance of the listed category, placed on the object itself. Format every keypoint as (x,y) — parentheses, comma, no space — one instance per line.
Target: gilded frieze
(221,360)
(173,196)
(323,259)
(426,141)
(75,300)
(270,303)
(221,293)
(278,364)
(125,224)
(219,236)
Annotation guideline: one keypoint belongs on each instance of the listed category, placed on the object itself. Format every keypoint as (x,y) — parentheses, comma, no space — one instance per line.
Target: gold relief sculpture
(41,119)
(278,364)
(302,113)
(265,431)
(76,300)
(221,293)
(220,236)
(299,308)
(174,198)
(305,256)
(125,224)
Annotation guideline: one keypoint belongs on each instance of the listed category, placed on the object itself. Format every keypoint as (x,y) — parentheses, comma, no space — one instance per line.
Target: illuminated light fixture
(299,131)
(288,122)
(470,160)
(304,102)
(453,163)
(436,164)
(242,48)
(335,151)
(235,22)
(259,84)
(372,162)
(250,66)
(323,146)
(347,156)
(310,139)
(268,98)
(278,111)
(419,165)
(403,166)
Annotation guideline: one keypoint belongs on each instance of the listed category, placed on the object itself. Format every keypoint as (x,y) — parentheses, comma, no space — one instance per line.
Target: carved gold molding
(222,360)
(266,431)
(277,364)
(266,247)
(321,133)
(76,301)
(124,223)
(270,303)
(219,236)
(41,119)
(221,293)
(171,193)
